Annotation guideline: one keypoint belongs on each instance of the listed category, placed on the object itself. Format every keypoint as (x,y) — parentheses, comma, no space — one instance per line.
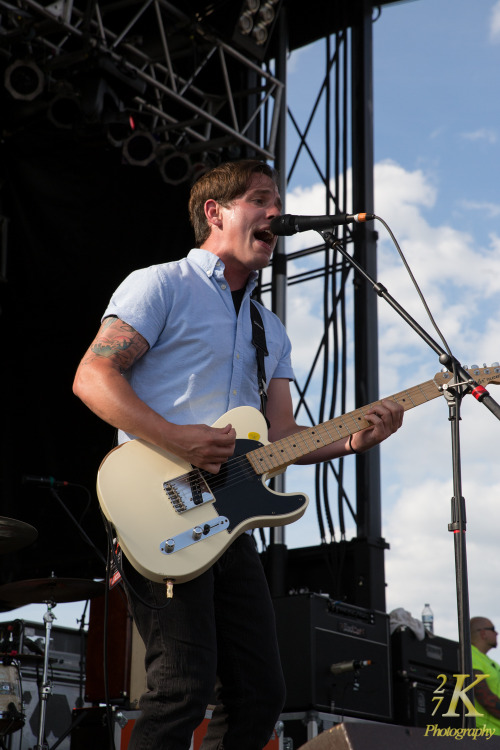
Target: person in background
(487,691)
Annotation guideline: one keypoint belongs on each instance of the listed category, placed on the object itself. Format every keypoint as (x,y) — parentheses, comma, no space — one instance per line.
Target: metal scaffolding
(343,105)
(172,73)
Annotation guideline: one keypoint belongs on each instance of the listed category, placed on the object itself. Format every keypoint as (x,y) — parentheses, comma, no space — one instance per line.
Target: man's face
(246,239)
(490,635)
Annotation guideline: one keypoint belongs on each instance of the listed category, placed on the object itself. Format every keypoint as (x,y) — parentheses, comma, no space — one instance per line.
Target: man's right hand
(205,447)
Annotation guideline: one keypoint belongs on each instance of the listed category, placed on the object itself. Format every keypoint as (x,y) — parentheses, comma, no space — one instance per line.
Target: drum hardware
(46,689)
(49,591)
(11,715)
(52,589)
(15,534)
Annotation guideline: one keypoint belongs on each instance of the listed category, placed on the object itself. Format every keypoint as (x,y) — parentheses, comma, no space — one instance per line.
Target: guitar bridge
(187,491)
(196,534)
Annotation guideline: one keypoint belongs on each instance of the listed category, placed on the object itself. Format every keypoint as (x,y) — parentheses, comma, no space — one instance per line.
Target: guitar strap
(259,342)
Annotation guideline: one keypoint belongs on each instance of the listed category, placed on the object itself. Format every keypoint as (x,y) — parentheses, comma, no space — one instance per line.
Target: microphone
(43,481)
(349,666)
(289,224)
(33,646)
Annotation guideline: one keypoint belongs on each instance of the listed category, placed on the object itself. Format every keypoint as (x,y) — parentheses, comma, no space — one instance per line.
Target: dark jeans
(217,632)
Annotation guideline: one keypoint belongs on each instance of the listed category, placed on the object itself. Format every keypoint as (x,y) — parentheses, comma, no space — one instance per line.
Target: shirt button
(235,392)
(223,286)
(237,356)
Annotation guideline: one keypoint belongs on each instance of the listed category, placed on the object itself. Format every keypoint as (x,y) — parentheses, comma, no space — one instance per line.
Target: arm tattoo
(118,341)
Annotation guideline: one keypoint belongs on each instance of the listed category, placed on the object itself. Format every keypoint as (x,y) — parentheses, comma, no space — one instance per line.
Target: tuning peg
(495,364)
(473,367)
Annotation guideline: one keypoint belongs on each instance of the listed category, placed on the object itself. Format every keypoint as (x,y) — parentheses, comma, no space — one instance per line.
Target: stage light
(255,25)
(140,148)
(65,111)
(260,33)
(267,14)
(119,126)
(24,80)
(245,23)
(175,168)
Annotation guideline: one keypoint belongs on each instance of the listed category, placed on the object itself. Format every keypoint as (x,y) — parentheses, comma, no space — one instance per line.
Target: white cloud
(495,22)
(461,281)
(420,566)
(490,210)
(483,134)
(407,190)
(458,278)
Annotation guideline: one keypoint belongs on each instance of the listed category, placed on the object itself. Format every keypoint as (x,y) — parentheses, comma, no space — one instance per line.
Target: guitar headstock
(481,375)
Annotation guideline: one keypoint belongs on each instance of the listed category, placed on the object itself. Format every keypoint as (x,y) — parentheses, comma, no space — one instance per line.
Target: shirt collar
(212,265)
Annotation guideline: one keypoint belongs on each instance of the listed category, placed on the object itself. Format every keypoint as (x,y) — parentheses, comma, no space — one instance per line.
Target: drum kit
(15,535)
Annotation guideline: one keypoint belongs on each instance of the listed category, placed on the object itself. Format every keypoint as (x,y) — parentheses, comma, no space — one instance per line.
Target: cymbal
(15,534)
(56,590)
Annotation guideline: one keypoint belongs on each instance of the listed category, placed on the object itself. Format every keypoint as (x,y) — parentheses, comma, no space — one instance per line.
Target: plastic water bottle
(428,618)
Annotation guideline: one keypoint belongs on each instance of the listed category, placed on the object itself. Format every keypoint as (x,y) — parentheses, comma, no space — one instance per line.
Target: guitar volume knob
(197,532)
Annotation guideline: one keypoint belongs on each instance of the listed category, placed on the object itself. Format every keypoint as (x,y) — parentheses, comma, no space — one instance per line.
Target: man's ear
(213,213)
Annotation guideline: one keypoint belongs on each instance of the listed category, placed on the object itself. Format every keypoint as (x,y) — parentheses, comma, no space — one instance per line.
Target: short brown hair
(223,184)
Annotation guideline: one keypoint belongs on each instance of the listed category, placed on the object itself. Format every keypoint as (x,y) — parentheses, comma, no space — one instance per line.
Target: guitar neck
(275,457)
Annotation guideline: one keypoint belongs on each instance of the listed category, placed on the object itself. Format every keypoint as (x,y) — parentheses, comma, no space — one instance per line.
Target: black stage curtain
(79,220)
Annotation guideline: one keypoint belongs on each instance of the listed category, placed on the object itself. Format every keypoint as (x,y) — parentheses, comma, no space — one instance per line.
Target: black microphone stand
(460,385)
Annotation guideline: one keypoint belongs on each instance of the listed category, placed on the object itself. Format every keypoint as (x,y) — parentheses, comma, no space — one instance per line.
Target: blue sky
(437,150)
(436,103)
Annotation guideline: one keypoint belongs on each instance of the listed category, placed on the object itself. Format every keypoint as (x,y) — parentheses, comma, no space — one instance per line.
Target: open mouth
(265,236)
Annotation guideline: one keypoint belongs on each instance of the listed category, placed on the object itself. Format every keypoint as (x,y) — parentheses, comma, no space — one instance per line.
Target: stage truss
(172,73)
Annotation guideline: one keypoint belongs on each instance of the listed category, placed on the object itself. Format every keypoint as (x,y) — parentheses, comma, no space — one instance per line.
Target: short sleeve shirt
(200,361)
(483,663)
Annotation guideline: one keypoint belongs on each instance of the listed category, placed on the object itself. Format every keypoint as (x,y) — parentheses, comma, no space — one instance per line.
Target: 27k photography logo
(449,710)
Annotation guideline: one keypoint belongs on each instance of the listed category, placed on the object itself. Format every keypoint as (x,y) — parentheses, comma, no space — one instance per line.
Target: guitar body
(173,521)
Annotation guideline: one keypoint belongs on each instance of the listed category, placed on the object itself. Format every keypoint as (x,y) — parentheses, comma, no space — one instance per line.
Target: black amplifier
(416,666)
(26,642)
(423,660)
(335,657)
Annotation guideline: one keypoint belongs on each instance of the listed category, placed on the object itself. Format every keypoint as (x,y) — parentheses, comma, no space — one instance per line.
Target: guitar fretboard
(275,457)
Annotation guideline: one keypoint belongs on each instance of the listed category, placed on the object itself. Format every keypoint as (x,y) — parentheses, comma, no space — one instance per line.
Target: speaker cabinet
(416,666)
(351,571)
(323,646)
(119,644)
(423,661)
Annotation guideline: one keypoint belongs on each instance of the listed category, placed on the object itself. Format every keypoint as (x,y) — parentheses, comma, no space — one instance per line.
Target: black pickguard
(240,494)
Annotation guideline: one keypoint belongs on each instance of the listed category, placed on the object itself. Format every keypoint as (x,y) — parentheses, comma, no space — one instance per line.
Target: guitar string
(241,472)
(215,481)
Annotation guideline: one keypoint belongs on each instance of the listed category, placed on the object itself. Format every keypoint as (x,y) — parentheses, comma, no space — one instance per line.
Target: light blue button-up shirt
(201,361)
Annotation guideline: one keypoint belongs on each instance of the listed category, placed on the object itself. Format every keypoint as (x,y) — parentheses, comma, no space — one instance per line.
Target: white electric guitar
(173,520)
